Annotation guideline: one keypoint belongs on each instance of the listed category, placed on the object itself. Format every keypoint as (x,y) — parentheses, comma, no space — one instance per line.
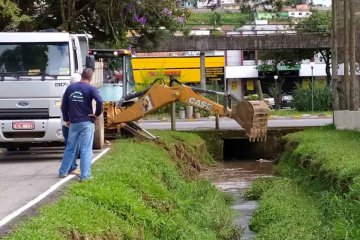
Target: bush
(322,97)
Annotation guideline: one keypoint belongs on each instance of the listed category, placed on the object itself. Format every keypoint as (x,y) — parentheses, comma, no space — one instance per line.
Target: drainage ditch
(240,162)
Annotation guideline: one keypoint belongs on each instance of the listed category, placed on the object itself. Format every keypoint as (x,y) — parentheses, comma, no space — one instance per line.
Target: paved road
(226,123)
(24,175)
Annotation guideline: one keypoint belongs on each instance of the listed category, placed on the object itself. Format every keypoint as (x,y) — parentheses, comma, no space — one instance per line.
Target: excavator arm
(251,115)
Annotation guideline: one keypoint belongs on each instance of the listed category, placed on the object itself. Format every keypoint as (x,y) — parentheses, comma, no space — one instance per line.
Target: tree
(215,19)
(318,22)
(110,22)
(272,59)
(11,16)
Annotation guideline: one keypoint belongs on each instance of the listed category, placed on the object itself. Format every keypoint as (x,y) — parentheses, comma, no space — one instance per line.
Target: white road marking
(17,212)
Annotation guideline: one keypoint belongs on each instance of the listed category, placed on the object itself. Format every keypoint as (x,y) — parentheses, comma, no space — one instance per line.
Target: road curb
(294,117)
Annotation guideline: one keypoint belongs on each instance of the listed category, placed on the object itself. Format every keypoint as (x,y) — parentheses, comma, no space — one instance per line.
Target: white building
(206,4)
(241,66)
(261,27)
(320,3)
(300,11)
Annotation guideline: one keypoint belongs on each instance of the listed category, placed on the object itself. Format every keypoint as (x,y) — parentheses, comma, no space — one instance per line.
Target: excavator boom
(251,115)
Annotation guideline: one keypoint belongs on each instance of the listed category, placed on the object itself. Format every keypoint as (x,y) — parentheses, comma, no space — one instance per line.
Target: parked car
(269,100)
(287,101)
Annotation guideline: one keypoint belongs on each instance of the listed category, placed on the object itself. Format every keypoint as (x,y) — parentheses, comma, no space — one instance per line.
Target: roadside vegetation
(316,195)
(235,19)
(296,113)
(319,98)
(140,190)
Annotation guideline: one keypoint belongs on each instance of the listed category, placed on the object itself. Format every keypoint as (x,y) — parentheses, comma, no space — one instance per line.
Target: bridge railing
(241,42)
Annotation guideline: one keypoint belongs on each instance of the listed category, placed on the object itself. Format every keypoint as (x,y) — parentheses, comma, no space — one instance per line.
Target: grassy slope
(138,192)
(318,195)
(234,19)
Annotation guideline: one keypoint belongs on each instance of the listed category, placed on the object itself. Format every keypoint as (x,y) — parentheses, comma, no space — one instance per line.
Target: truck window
(76,61)
(129,71)
(35,58)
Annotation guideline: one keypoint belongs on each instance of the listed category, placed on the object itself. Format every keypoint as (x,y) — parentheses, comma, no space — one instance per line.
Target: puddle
(236,177)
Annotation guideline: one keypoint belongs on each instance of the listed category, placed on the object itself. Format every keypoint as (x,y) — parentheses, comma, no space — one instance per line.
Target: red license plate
(25,125)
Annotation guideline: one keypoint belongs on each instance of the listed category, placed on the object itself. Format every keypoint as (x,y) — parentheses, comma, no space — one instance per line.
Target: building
(300,11)
(318,3)
(241,66)
(211,4)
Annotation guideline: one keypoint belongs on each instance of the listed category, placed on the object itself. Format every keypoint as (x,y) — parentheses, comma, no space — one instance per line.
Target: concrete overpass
(252,42)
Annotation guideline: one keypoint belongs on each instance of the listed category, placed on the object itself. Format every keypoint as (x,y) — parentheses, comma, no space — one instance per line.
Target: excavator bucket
(252,116)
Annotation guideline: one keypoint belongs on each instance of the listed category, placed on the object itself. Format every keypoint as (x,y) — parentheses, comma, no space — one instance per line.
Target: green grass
(330,154)
(258,187)
(286,212)
(139,192)
(292,112)
(235,19)
(317,196)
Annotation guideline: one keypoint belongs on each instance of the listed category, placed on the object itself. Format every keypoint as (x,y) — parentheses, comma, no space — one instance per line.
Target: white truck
(35,69)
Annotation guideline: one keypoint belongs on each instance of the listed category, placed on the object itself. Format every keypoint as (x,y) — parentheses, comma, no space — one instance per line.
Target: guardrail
(238,42)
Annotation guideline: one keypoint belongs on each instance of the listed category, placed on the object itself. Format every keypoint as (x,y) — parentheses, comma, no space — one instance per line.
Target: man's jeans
(65,131)
(81,134)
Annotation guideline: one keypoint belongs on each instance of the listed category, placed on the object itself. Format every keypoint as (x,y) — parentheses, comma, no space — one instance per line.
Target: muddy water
(236,177)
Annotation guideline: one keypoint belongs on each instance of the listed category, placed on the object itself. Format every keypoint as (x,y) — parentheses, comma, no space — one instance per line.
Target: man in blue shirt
(77,111)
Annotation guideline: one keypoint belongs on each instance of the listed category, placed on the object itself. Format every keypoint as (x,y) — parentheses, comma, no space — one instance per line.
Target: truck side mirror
(90,62)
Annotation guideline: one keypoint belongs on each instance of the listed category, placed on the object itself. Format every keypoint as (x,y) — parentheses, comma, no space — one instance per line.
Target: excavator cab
(113,76)
(113,73)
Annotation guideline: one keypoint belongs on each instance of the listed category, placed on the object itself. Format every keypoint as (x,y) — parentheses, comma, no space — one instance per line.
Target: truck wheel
(99,133)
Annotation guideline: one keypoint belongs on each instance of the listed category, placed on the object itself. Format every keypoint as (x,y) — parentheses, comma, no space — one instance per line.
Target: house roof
(302,7)
(298,8)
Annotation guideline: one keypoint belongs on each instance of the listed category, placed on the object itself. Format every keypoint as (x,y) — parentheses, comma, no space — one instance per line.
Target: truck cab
(35,69)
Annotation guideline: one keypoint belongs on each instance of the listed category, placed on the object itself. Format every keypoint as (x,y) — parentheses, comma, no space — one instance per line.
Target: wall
(347,120)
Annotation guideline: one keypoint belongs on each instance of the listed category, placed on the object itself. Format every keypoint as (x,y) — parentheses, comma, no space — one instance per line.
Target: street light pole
(312,64)
(276,97)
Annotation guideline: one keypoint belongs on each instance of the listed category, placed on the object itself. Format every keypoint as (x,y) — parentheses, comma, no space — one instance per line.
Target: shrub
(303,94)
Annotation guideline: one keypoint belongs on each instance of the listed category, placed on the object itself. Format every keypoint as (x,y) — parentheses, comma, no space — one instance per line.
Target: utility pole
(346,54)
(352,42)
(202,70)
(173,109)
(334,55)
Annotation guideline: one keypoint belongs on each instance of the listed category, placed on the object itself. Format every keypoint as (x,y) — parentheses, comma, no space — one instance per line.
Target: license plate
(24,125)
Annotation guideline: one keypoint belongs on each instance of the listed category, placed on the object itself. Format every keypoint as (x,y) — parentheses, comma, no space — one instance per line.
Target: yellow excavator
(129,106)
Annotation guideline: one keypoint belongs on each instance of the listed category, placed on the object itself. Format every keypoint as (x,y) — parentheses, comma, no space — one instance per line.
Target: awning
(282,67)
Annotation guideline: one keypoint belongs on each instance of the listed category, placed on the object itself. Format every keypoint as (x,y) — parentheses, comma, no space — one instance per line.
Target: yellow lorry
(123,106)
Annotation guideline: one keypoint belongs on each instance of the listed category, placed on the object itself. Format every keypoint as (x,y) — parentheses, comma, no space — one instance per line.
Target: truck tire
(99,133)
